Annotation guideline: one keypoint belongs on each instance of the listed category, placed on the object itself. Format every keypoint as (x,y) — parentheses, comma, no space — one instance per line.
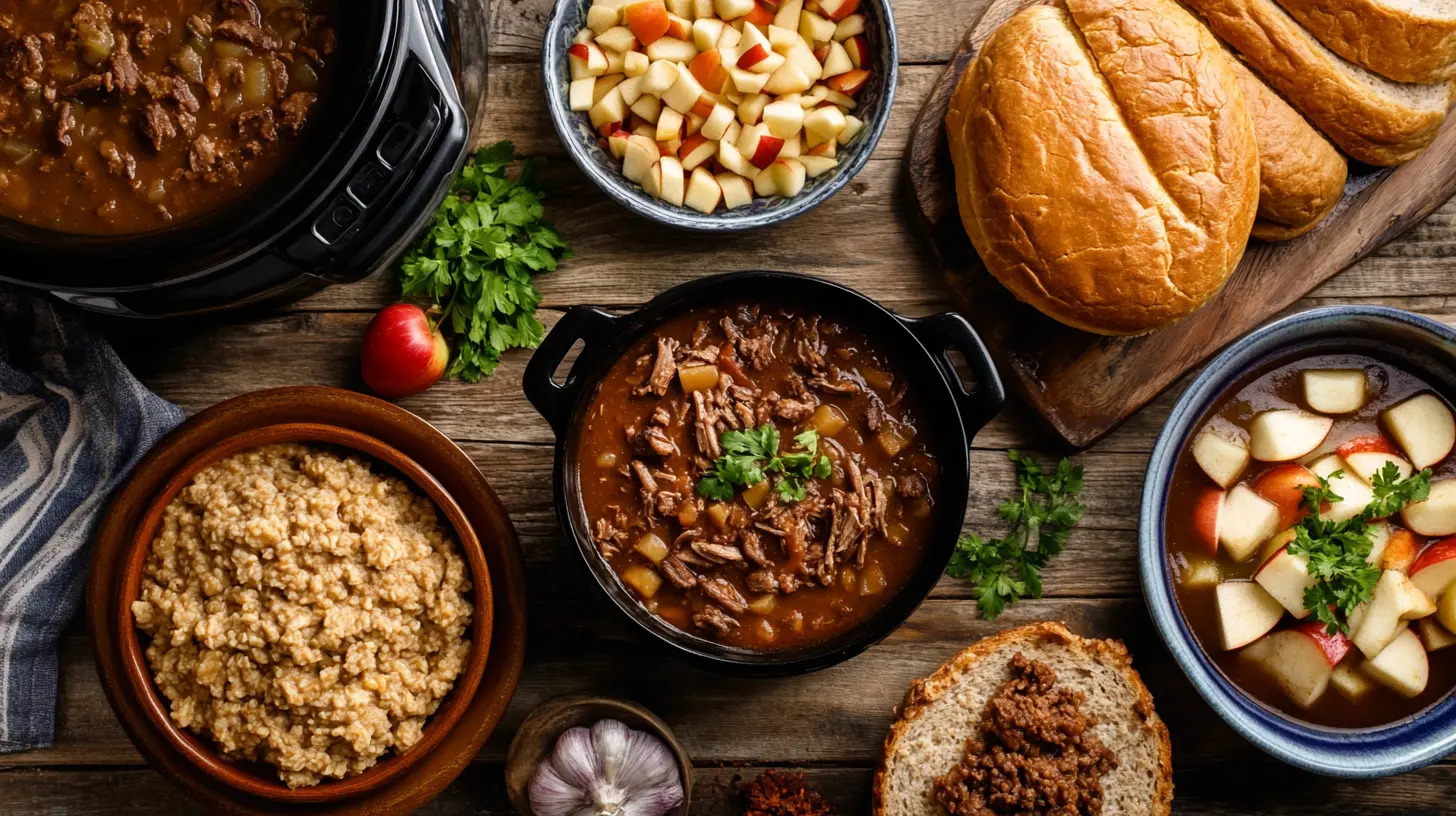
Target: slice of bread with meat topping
(943,710)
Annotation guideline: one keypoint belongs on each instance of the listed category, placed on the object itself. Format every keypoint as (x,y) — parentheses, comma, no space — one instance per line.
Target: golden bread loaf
(1404,40)
(1301,175)
(1106,164)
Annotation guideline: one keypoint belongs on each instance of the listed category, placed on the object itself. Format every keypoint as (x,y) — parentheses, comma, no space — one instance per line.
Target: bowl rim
(953,452)
(685,218)
(198,750)
(1355,753)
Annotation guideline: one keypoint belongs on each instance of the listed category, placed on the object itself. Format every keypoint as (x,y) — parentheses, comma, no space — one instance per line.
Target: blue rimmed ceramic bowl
(584,145)
(1407,340)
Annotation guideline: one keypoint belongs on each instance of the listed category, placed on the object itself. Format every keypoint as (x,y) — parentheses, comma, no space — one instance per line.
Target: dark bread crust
(927,690)
(1403,46)
(1106,165)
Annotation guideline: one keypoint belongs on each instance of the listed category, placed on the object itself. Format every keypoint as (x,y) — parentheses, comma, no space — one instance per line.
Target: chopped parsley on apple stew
(758,476)
(1311,529)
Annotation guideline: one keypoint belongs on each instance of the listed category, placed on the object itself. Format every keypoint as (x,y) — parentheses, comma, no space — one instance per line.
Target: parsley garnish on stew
(1338,550)
(1005,570)
(476,260)
(750,455)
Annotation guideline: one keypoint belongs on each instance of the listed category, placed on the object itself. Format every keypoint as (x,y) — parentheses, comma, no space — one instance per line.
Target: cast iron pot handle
(950,330)
(553,401)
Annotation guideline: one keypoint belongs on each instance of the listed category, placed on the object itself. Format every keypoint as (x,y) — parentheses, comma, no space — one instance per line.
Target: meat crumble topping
(1036,754)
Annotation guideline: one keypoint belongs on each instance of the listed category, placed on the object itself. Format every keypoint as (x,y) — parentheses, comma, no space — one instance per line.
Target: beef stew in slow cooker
(129,116)
(758,476)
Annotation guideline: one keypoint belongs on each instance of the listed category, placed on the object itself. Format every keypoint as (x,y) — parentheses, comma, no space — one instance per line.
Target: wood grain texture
(1084,384)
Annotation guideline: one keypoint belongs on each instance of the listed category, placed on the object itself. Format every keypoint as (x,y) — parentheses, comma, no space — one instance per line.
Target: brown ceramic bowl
(258,779)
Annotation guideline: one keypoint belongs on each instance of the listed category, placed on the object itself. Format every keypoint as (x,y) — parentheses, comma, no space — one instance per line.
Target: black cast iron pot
(920,349)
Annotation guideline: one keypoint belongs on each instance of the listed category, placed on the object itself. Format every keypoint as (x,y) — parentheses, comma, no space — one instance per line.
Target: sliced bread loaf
(941,711)
(1405,40)
(1301,176)
(1373,119)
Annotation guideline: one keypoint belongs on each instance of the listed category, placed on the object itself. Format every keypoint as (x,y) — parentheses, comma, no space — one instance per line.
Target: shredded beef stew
(759,477)
(126,116)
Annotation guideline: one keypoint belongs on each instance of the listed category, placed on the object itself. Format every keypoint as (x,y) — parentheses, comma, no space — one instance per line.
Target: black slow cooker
(375,160)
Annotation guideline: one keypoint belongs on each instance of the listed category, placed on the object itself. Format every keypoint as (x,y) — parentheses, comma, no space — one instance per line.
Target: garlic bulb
(607,770)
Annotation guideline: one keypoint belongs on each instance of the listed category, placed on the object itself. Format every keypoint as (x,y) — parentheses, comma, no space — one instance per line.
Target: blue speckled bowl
(1420,345)
(581,140)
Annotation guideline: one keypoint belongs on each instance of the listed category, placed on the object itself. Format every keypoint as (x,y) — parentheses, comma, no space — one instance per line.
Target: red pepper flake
(782,794)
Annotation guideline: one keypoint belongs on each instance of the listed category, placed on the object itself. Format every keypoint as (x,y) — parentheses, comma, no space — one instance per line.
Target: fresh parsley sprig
(751,454)
(1005,570)
(1338,551)
(476,260)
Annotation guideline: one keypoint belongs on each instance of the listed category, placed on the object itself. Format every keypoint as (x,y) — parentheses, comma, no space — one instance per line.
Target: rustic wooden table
(829,724)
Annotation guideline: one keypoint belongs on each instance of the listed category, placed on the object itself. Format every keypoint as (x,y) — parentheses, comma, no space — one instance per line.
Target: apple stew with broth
(1341,616)
(758,476)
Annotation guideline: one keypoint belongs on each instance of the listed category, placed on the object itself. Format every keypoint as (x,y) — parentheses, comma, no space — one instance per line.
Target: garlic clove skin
(610,739)
(575,759)
(550,795)
(655,801)
(648,763)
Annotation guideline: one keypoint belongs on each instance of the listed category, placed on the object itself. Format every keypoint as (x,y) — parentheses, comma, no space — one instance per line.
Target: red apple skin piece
(849,83)
(846,8)
(1283,486)
(767,150)
(1334,646)
(859,50)
(1366,444)
(752,57)
(1401,551)
(1431,559)
(1205,518)
(402,354)
(648,21)
(707,68)
(761,16)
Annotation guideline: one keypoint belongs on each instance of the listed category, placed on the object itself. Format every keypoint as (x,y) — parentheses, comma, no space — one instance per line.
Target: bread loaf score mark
(1109,179)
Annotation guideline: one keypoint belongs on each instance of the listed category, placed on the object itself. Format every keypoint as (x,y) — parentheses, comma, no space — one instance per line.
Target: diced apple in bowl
(1301,660)
(1286,434)
(1436,514)
(1334,390)
(1245,612)
(1283,486)
(1245,521)
(1350,682)
(1207,518)
(1285,576)
(1434,569)
(1402,666)
(1368,463)
(1354,494)
(1434,636)
(1393,604)
(1221,456)
(1424,428)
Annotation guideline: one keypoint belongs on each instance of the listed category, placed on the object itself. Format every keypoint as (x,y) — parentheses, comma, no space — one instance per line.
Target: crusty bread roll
(941,711)
(1110,185)
(1405,40)
(1371,118)
(1301,176)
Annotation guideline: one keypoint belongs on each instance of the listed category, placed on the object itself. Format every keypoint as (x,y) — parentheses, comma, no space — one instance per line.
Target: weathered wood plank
(929,30)
(1202,789)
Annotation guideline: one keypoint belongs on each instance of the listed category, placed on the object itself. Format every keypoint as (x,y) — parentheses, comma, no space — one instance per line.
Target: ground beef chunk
(1036,754)
(90,84)
(243,10)
(782,794)
(24,57)
(65,123)
(711,617)
(913,486)
(203,157)
(295,111)
(92,25)
(180,93)
(258,124)
(118,162)
(157,125)
(248,33)
(201,26)
(124,71)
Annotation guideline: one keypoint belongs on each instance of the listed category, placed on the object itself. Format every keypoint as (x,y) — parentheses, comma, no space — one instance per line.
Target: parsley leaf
(750,454)
(477,257)
(1005,570)
(1338,550)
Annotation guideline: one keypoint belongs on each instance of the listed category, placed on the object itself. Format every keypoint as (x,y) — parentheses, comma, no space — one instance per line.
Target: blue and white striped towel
(73,422)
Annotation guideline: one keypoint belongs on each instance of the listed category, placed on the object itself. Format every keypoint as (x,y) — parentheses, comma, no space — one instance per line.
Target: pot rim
(1358,753)
(853,307)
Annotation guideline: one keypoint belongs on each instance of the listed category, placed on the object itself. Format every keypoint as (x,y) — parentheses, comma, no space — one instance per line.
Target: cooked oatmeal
(304,611)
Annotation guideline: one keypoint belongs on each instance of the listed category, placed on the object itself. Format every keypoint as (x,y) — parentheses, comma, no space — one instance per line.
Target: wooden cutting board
(1084,384)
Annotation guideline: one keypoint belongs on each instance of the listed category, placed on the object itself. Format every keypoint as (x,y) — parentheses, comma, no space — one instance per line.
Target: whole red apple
(403,354)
